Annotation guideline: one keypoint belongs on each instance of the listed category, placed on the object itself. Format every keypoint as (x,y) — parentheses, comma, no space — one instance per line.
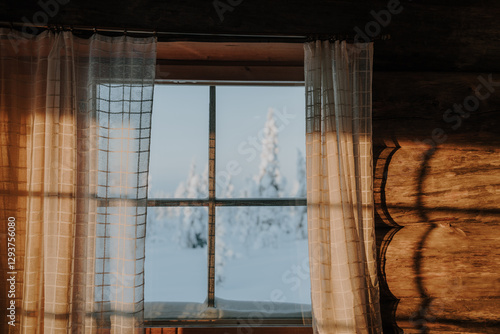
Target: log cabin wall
(436,115)
(440,261)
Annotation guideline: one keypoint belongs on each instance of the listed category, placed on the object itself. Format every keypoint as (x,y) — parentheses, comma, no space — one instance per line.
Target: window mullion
(211,201)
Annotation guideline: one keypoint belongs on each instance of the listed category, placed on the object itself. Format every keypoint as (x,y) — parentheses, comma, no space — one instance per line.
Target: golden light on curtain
(74,140)
(344,284)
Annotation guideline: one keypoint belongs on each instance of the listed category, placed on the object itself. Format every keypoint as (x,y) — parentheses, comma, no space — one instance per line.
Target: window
(227,232)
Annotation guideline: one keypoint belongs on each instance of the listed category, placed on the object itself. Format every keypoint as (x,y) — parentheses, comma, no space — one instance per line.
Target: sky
(180,132)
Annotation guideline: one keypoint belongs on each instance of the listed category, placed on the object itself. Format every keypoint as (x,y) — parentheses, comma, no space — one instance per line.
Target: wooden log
(414,109)
(442,266)
(446,185)
(446,277)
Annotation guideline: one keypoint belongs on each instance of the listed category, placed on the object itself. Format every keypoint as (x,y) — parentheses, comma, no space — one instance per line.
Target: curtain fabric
(344,283)
(74,145)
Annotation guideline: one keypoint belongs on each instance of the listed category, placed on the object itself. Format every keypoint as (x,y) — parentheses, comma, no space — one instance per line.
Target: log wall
(440,261)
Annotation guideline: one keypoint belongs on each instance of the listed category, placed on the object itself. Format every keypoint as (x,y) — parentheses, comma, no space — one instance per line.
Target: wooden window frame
(213,63)
(230,62)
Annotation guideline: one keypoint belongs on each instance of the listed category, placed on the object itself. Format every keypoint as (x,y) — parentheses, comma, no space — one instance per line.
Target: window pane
(176,254)
(262,255)
(179,142)
(260,141)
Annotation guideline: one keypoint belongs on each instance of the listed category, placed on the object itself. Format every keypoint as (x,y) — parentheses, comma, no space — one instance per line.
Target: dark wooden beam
(440,35)
(416,109)
(263,62)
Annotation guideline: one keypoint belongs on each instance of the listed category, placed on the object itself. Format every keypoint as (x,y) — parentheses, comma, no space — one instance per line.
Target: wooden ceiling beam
(441,35)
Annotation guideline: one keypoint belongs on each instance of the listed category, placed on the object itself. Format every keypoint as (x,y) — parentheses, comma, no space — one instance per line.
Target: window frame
(212,202)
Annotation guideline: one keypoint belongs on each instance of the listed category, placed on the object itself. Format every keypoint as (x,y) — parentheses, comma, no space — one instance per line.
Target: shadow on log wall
(437,211)
(386,228)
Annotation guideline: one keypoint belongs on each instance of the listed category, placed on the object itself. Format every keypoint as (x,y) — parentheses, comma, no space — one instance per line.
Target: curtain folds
(74,143)
(344,284)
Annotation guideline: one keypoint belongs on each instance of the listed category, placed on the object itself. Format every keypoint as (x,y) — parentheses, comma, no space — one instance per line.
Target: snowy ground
(175,274)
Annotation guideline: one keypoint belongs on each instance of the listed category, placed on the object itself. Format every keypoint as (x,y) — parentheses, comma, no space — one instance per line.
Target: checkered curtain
(74,140)
(121,78)
(344,284)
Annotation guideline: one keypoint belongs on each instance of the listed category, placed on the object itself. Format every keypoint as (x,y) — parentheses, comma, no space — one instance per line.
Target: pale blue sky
(180,131)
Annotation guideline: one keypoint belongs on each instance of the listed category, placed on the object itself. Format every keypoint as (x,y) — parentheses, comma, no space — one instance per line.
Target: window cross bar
(211,201)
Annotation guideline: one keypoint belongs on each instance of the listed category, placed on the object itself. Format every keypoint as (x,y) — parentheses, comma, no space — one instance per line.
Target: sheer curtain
(74,141)
(344,284)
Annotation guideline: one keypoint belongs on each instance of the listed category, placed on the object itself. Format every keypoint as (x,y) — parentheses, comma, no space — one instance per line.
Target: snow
(274,280)
(265,272)
(179,274)
(251,313)
(175,274)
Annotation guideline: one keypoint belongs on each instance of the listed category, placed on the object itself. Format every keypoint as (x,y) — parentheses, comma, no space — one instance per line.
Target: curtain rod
(164,36)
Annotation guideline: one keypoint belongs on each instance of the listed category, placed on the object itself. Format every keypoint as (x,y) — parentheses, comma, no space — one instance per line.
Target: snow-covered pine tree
(270,222)
(194,221)
(269,177)
(203,190)
(246,216)
(159,221)
(177,214)
(157,218)
(157,225)
(225,223)
(300,190)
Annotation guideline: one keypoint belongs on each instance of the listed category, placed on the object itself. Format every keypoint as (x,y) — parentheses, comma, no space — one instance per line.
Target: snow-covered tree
(177,214)
(193,229)
(159,225)
(246,216)
(180,192)
(225,222)
(300,190)
(203,190)
(270,222)
(269,177)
